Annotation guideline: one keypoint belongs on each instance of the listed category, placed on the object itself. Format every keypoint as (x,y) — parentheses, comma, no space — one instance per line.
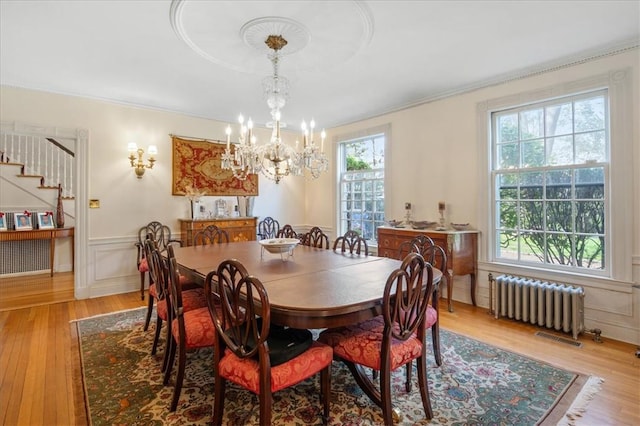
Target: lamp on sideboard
(137,161)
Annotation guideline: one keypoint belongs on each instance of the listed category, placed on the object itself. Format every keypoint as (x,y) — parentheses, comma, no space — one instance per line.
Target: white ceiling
(351,59)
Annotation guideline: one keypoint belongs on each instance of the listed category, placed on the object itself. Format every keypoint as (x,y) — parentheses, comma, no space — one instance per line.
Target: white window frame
(384,130)
(620,189)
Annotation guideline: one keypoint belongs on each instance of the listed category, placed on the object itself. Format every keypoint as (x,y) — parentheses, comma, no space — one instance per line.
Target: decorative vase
(59,209)
(195,207)
(250,201)
(242,205)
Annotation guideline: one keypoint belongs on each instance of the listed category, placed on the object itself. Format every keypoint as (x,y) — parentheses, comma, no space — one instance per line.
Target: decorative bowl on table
(459,226)
(394,223)
(422,224)
(279,245)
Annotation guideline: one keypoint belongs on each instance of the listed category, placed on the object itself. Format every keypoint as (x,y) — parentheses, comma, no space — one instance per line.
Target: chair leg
(407,383)
(165,358)
(172,357)
(266,401)
(156,337)
(435,338)
(423,384)
(182,355)
(385,396)
(147,320)
(142,285)
(218,400)
(325,388)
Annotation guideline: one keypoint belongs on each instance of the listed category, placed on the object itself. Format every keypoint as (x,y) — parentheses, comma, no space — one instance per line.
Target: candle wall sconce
(137,161)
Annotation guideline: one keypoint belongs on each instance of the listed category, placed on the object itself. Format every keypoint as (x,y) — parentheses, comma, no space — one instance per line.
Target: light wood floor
(39,362)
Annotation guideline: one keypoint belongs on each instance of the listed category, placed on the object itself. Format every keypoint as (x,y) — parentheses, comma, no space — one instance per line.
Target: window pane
(559,120)
(531,215)
(531,185)
(533,153)
(558,184)
(559,248)
(507,128)
(508,244)
(508,215)
(590,217)
(590,183)
(590,251)
(558,216)
(590,147)
(560,150)
(590,114)
(531,124)
(508,156)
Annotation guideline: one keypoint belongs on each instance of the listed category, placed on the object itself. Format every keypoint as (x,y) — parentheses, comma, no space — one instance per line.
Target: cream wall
(435,155)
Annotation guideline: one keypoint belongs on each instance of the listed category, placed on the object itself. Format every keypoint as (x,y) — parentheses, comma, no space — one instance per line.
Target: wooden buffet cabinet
(461,248)
(239,228)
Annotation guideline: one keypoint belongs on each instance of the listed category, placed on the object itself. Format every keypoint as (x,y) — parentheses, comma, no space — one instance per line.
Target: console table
(42,234)
(239,228)
(461,248)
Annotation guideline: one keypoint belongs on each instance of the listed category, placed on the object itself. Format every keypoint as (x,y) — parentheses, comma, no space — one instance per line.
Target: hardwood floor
(39,361)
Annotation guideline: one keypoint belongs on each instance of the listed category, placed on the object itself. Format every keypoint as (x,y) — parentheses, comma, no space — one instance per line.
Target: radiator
(547,304)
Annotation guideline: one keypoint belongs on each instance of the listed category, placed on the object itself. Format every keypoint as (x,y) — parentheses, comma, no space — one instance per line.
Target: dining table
(311,288)
(307,288)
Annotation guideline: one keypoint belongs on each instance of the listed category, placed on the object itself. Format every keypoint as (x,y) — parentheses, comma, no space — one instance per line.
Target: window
(361,183)
(550,175)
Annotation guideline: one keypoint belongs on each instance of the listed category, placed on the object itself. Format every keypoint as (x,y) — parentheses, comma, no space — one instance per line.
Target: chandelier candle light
(275,159)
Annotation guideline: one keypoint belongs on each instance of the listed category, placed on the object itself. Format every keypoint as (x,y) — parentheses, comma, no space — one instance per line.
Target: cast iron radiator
(547,304)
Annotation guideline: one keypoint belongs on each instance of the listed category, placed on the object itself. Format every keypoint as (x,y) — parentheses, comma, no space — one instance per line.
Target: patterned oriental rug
(477,384)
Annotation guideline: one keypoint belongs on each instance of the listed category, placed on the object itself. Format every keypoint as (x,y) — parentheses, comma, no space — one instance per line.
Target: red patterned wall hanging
(196,163)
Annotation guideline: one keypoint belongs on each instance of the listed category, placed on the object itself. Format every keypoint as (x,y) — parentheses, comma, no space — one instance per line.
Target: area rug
(477,384)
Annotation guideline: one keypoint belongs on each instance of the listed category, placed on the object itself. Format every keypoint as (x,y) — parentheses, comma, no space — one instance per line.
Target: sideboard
(239,228)
(461,248)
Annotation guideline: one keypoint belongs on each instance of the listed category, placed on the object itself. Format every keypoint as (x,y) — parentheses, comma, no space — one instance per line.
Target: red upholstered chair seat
(143,266)
(361,343)
(191,299)
(245,372)
(199,330)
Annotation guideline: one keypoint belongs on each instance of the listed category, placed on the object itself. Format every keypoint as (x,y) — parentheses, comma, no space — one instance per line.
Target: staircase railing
(40,156)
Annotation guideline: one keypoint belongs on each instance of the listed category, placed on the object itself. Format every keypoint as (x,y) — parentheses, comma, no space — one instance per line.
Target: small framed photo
(22,221)
(3,221)
(45,220)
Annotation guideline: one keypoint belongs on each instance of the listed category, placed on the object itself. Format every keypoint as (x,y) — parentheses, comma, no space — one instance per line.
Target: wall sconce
(139,163)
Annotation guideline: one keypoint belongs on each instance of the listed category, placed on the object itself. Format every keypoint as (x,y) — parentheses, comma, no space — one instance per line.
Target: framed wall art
(45,220)
(3,221)
(196,164)
(22,221)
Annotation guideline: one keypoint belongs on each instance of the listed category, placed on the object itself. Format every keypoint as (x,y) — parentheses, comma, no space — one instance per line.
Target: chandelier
(274,159)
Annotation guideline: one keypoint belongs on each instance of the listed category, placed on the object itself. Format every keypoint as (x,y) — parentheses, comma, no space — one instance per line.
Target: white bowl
(279,245)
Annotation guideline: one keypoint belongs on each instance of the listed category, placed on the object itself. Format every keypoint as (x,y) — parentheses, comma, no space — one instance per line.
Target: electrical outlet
(407,206)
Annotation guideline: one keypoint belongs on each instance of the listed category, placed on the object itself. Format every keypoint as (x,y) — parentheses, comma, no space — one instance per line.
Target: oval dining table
(311,288)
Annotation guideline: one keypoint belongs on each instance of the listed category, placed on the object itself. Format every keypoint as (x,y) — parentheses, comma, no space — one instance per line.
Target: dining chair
(191,329)
(210,235)
(287,232)
(268,228)
(162,235)
(352,242)
(423,242)
(315,238)
(436,257)
(191,298)
(251,352)
(395,338)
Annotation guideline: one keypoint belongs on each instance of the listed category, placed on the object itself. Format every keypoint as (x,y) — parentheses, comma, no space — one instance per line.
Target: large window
(361,202)
(550,174)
